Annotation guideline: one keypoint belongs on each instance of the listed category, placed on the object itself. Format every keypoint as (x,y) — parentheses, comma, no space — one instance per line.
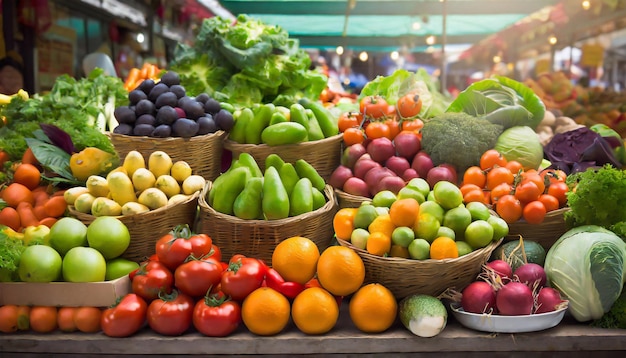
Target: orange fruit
(87,319)
(43,319)
(403,212)
(343,222)
(65,319)
(378,243)
(295,259)
(265,311)
(443,248)
(315,311)
(340,270)
(27,175)
(382,223)
(373,308)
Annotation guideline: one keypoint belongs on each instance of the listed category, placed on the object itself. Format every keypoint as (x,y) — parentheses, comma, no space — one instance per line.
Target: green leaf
(52,158)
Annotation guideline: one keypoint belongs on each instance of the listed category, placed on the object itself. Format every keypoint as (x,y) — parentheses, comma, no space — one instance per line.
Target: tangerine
(295,259)
(265,311)
(340,270)
(315,311)
(373,308)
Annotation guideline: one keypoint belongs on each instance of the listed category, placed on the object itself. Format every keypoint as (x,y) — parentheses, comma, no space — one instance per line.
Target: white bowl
(507,324)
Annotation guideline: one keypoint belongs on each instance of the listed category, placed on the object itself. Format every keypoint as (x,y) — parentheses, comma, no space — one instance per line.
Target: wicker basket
(345,200)
(146,228)
(324,155)
(546,233)
(258,238)
(405,277)
(203,153)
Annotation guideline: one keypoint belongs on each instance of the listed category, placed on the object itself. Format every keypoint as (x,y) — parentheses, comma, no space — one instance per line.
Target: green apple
(119,267)
(37,235)
(109,235)
(419,249)
(384,198)
(84,264)
(420,184)
(402,236)
(446,232)
(410,192)
(457,219)
(66,234)
(426,227)
(463,247)
(433,209)
(500,227)
(478,210)
(447,194)
(478,234)
(39,263)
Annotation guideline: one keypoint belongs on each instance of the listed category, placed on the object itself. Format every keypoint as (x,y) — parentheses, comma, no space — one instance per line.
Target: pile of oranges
(29,201)
(340,272)
(513,192)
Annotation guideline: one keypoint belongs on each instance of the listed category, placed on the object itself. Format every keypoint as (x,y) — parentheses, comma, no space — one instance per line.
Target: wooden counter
(568,339)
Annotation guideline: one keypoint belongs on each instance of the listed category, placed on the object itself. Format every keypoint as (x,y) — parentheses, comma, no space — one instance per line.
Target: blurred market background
(352,41)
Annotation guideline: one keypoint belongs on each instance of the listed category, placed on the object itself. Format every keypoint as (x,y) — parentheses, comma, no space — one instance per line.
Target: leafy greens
(501,100)
(246,62)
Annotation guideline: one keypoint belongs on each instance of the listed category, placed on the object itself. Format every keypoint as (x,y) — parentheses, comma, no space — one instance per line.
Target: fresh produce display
(598,106)
(283,190)
(87,114)
(137,186)
(137,75)
(556,90)
(46,319)
(514,193)
(163,109)
(268,124)
(409,226)
(247,62)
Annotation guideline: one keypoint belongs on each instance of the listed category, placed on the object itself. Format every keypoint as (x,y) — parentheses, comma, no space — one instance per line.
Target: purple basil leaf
(58,137)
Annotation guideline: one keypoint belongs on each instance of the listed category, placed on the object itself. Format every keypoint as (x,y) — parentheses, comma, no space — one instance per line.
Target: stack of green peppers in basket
(282,191)
(278,125)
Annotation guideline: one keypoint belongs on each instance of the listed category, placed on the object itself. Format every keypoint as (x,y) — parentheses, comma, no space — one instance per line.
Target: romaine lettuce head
(501,100)
(587,265)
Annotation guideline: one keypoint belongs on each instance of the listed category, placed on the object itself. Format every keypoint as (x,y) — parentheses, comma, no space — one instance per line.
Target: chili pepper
(288,288)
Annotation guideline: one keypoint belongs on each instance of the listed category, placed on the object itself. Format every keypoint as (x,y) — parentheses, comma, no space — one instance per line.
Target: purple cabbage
(578,150)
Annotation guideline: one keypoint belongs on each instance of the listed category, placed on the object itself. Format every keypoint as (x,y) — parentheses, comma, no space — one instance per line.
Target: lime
(500,227)
(108,235)
(431,207)
(446,232)
(384,198)
(478,234)
(426,227)
(409,192)
(478,210)
(463,247)
(419,249)
(457,219)
(359,237)
(447,194)
(119,267)
(420,184)
(365,214)
(66,234)
(402,236)
(430,196)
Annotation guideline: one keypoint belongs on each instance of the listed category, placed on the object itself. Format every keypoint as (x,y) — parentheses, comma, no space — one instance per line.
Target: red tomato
(374,106)
(125,318)
(174,248)
(216,316)
(171,315)
(216,253)
(244,275)
(409,105)
(151,279)
(349,120)
(196,276)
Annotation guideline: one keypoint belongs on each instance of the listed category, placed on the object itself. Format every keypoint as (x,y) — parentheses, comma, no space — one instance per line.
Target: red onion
(501,267)
(478,297)
(529,273)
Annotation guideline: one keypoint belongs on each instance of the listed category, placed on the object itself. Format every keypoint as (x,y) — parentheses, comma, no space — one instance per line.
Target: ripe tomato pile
(513,192)
(377,118)
(186,284)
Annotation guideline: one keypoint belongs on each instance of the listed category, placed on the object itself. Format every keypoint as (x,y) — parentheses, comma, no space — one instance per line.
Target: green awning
(387,25)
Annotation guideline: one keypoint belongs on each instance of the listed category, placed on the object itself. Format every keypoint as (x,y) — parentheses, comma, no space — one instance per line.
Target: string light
(339,50)
(140,38)
(586,4)
(430,40)
(394,55)
(552,40)
(363,56)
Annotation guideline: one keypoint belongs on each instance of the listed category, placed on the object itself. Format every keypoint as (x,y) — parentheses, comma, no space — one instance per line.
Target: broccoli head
(458,139)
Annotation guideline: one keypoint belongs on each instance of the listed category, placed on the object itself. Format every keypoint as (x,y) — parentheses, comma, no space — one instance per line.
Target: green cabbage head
(587,264)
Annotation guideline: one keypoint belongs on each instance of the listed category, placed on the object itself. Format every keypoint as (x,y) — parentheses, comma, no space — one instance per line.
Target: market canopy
(387,25)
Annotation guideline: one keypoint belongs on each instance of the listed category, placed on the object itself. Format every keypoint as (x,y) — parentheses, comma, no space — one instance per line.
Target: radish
(548,300)
(478,297)
(515,299)
(531,273)
(501,267)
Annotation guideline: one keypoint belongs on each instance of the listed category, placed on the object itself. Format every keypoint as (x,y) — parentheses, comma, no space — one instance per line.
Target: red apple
(398,164)
(440,173)
(409,174)
(363,166)
(422,164)
(339,176)
(356,186)
(407,144)
(392,183)
(381,149)
(374,176)
(351,154)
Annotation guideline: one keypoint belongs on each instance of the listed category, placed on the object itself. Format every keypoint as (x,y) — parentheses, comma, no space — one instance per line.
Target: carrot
(152,71)
(27,215)
(29,158)
(4,157)
(10,218)
(49,221)
(132,77)
(40,196)
(145,70)
(55,206)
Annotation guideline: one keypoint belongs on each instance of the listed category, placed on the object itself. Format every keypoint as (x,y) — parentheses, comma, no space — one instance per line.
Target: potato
(143,179)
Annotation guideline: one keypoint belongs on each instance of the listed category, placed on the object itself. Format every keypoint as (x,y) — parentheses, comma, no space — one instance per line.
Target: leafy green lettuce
(501,100)
(246,62)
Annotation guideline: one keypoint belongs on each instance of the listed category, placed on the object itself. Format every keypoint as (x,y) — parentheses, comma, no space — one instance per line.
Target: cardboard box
(96,294)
